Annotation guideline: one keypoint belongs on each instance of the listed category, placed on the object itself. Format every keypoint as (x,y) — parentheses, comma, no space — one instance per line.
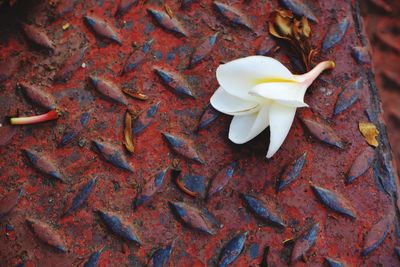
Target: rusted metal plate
(151,207)
(382,24)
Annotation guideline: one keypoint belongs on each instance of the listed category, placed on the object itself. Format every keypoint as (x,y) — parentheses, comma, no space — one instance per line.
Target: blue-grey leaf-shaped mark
(81,197)
(209,116)
(196,218)
(335,34)
(46,234)
(108,89)
(175,82)
(118,227)
(258,208)
(70,134)
(70,65)
(124,6)
(182,147)
(233,15)
(232,250)
(201,51)
(332,201)
(323,132)
(145,119)
(137,57)
(169,24)
(161,257)
(102,28)
(94,258)
(397,251)
(64,7)
(299,8)
(9,201)
(361,164)
(37,37)
(150,188)
(8,66)
(37,95)
(291,172)
(360,54)
(85,118)
(195,184)
(305,242)
(43,164)
(253,250)
(377,234)
(333,263)
(113,155)
(221,179)
(186,3)
(348,96)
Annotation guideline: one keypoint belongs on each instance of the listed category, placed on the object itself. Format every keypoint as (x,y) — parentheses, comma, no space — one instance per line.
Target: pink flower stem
(308,78)
(51,115)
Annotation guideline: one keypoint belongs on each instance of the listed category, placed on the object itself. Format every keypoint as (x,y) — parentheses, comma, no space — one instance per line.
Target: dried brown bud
(283,25)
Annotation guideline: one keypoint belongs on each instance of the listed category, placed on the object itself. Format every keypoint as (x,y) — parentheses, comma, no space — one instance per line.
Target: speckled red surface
(381,23)
(372,196)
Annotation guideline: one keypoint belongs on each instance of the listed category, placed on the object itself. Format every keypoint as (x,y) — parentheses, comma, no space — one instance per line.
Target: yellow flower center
(274,80)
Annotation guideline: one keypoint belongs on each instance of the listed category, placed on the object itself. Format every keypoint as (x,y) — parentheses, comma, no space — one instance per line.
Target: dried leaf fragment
(136,95)
(128,142)
(66,26)
(169,11)
(297,32)
(369,131)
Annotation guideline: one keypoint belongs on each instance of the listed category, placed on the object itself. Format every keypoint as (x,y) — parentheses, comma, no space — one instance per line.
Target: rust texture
(187,196)
(382,27)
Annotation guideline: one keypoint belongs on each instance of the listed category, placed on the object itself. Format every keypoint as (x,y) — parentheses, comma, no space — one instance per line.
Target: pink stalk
(308,78)
(51,115)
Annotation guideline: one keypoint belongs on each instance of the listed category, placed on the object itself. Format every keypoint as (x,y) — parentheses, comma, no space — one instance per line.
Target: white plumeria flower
(260,92)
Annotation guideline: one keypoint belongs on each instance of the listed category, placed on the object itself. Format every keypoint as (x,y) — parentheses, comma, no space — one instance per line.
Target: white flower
(260,92)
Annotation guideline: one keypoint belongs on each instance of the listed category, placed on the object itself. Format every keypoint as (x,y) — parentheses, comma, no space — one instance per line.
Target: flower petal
(246,127)
(232,105)
(239,76)
(287,93)
(280,119)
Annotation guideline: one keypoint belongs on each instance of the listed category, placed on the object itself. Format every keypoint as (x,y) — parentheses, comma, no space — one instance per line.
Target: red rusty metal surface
(128,213)
(383,27)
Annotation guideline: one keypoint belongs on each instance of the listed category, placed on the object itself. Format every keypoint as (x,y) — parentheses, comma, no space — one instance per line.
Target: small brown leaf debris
(128,142)
(135,95)
(369,131)
(297,32)
(66,26)
(169,11)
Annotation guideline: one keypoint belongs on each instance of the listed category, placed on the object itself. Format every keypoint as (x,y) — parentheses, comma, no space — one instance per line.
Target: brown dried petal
(273,32)
(296,31)
(305,27)
(128,142)
(283,25)
(135,95)
(169,11)
(280,25)
(369,131)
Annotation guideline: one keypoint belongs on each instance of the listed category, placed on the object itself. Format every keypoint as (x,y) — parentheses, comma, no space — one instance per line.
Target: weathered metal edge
(385,156)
